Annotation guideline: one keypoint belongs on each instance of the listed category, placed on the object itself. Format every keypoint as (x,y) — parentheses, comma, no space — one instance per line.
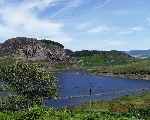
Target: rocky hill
(54,53)
(33,49)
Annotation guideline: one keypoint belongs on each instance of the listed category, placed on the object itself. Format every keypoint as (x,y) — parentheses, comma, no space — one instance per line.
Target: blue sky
(79,24)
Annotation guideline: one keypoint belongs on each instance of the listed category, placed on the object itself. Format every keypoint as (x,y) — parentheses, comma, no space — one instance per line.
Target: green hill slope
(97,58)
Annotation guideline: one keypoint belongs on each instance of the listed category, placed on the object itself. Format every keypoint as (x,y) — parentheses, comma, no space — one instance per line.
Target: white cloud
(125,32)
(105,2)
(72,4)
(121,12)
(131,30)
(84,26)
(106,44)
(116,43)
(98,29)
(148,20)
(22,20)
(2,2)
(111,44)
(137,28)
(40,4)
(90,27)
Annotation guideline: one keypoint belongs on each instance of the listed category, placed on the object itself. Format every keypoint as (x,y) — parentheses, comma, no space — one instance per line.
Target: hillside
(139,53)
(34,50)
(54,53)
(97,58)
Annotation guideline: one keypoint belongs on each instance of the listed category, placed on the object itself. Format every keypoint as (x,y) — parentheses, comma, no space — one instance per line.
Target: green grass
(122,104)
(39,113)
(99,60)
(135,107)
(138,67)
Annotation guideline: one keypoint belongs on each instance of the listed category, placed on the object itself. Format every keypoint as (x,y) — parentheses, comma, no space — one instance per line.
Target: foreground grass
(123,104)
(39,113)
(126,108)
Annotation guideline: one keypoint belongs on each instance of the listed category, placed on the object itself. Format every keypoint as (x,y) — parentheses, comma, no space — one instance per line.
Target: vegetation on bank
(126,108)
(28,80)
(123,104)
(113,63)
(87,58)
(39,113)
(139,67)
(28,84)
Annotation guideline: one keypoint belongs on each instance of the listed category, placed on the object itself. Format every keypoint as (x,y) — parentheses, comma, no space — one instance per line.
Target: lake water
(74,88)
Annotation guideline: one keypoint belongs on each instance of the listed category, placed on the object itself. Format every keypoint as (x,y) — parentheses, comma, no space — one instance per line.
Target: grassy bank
(134,70)
(123,104)
(126,108)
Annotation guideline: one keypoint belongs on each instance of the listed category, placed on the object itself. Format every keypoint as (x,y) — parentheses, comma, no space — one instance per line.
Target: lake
(77,87)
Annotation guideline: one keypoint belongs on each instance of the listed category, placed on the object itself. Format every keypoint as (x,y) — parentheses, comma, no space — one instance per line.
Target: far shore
(127,76)
(123,76)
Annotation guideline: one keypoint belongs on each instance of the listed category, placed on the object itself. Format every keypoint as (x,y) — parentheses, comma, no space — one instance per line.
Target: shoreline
(125,76)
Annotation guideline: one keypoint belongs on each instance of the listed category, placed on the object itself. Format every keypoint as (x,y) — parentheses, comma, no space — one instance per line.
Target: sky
(79,24)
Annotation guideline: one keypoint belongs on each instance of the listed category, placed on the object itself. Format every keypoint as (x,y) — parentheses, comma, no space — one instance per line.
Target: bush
(32,113)
(28,80)
(16,103)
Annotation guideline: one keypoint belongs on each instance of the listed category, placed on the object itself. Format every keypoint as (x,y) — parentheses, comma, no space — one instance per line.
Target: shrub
(29,80)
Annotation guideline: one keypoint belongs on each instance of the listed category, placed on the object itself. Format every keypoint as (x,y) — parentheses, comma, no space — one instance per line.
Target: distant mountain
(33,49)
(139,53)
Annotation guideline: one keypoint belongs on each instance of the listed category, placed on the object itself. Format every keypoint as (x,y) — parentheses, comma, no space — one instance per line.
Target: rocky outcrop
(33,49)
